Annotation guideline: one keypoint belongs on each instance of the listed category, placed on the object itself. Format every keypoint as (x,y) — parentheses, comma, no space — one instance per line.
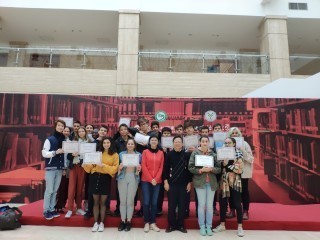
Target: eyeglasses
(226,143)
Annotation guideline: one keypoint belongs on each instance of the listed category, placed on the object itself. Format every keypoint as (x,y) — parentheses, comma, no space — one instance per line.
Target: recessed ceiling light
(190,34)
(169,34)
(36,29)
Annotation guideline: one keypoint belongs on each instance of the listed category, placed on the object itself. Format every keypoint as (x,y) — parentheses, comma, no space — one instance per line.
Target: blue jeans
(150,199)
(53,179)
(205,201)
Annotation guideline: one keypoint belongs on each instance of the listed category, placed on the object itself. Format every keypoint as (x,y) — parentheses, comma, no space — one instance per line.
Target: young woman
(152,166)
(62,195)
(128,180)
(54,163)
(231,187)
(76,176)
(205,183)
(100,180)
(246,175)
(177,182)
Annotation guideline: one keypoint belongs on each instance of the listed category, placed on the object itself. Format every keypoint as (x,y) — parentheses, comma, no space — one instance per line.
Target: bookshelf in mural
(287,140)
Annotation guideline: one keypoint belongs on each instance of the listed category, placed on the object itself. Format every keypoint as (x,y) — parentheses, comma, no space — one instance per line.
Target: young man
(179,130)
(76,126)
(205,131)
(54,164)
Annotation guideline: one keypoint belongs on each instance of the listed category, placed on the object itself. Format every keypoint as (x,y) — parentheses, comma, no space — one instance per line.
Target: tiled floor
(61,233)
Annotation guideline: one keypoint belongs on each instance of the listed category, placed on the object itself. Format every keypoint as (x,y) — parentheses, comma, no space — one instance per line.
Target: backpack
(9,218)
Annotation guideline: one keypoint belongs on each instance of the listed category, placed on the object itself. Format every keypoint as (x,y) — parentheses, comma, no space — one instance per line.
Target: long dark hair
(112,148)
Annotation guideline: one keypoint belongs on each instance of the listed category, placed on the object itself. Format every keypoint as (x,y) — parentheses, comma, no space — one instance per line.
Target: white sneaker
(219,228)
(154,227)
(68,214)
(95,227)
(101,227)
(240,232)
(146,227)
(80,212)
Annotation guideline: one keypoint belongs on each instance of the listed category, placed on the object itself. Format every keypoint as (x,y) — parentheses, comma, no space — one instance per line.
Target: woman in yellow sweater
(100,180)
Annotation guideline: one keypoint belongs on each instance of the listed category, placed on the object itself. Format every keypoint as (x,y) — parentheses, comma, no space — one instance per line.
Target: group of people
(160,169)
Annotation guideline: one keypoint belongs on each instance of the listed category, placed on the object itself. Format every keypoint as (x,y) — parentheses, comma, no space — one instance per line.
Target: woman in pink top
(152,165)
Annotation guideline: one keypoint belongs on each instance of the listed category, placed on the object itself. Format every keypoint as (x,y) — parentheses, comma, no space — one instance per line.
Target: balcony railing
(203,62)
(304,64)
(58,58)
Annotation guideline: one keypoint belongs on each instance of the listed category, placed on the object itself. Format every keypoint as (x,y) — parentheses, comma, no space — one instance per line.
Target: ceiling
(158,31)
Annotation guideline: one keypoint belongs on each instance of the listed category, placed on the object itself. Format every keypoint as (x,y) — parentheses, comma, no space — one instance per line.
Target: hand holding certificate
(224,153)
(70,147)
(92,158)
(204,161)
(87,148)
(142,139)
(130,160)
(239,141)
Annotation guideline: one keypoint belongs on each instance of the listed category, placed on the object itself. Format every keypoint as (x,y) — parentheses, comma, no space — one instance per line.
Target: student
(177,182)
(128,180)
(95,133)
(247,172)
(155,128)
(231,187)
(62,195)
(89,129)
(205,183)
(179,130)
(205,131)
(100,180)
(76,176)
(76,126)
(152,167)
(54,163)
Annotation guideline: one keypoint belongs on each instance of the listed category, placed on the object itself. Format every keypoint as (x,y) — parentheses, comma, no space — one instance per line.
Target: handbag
(9,218)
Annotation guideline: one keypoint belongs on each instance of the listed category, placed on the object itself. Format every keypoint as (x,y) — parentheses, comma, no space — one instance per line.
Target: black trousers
(160,198)
(245,194)
(176,197)
(235,198)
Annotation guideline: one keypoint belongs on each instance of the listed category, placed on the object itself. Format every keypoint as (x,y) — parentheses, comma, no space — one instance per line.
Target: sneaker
(203,231)
(209,231)
(154,227)
(116,213)
(68,214)
(101,227)
(146,227)
(108,212)
(95,227)
(128,226)
(88,215)
(48,215)
(231,214)
(55,214)
(240,232)
(219,228)
(80,212)
(245,215)
(122,226)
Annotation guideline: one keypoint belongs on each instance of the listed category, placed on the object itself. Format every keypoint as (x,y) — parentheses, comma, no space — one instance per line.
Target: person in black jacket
(177,182)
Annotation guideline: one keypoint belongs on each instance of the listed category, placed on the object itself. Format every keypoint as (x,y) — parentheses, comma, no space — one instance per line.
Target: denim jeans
(205,201)
(150,199)
(53,179)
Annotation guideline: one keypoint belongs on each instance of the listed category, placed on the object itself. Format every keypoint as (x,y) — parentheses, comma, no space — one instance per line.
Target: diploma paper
(219,136)
(228,153)
(68,121)
(87,147)
(125,121)
(167,142)
(140,138)
(191,141)
(130,160)
(239,141)
(204,161)
(92,158)
(70,147)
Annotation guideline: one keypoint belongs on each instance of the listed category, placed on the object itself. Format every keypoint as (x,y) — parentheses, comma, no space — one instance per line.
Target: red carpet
(263,216)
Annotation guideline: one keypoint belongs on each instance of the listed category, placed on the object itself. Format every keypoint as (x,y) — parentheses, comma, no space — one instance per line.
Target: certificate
(87,147)
(125,121)
(239,141)
(130,160)
(92,158)
(219,136)
(211,142)
(140,138)
(191,141)
(167,142)
(68,121)
(204,161)
(228,153)
(70,146)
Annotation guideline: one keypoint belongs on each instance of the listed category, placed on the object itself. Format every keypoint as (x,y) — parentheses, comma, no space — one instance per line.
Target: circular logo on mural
(161,116)
(210,116)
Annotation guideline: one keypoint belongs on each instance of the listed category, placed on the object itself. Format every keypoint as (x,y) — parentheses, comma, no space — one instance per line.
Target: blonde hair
(232,129)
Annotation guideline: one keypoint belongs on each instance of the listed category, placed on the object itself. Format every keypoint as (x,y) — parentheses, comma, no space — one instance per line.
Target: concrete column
(128,47)
(274,41)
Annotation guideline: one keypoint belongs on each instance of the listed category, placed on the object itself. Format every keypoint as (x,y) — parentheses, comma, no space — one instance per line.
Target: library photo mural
(284,135)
